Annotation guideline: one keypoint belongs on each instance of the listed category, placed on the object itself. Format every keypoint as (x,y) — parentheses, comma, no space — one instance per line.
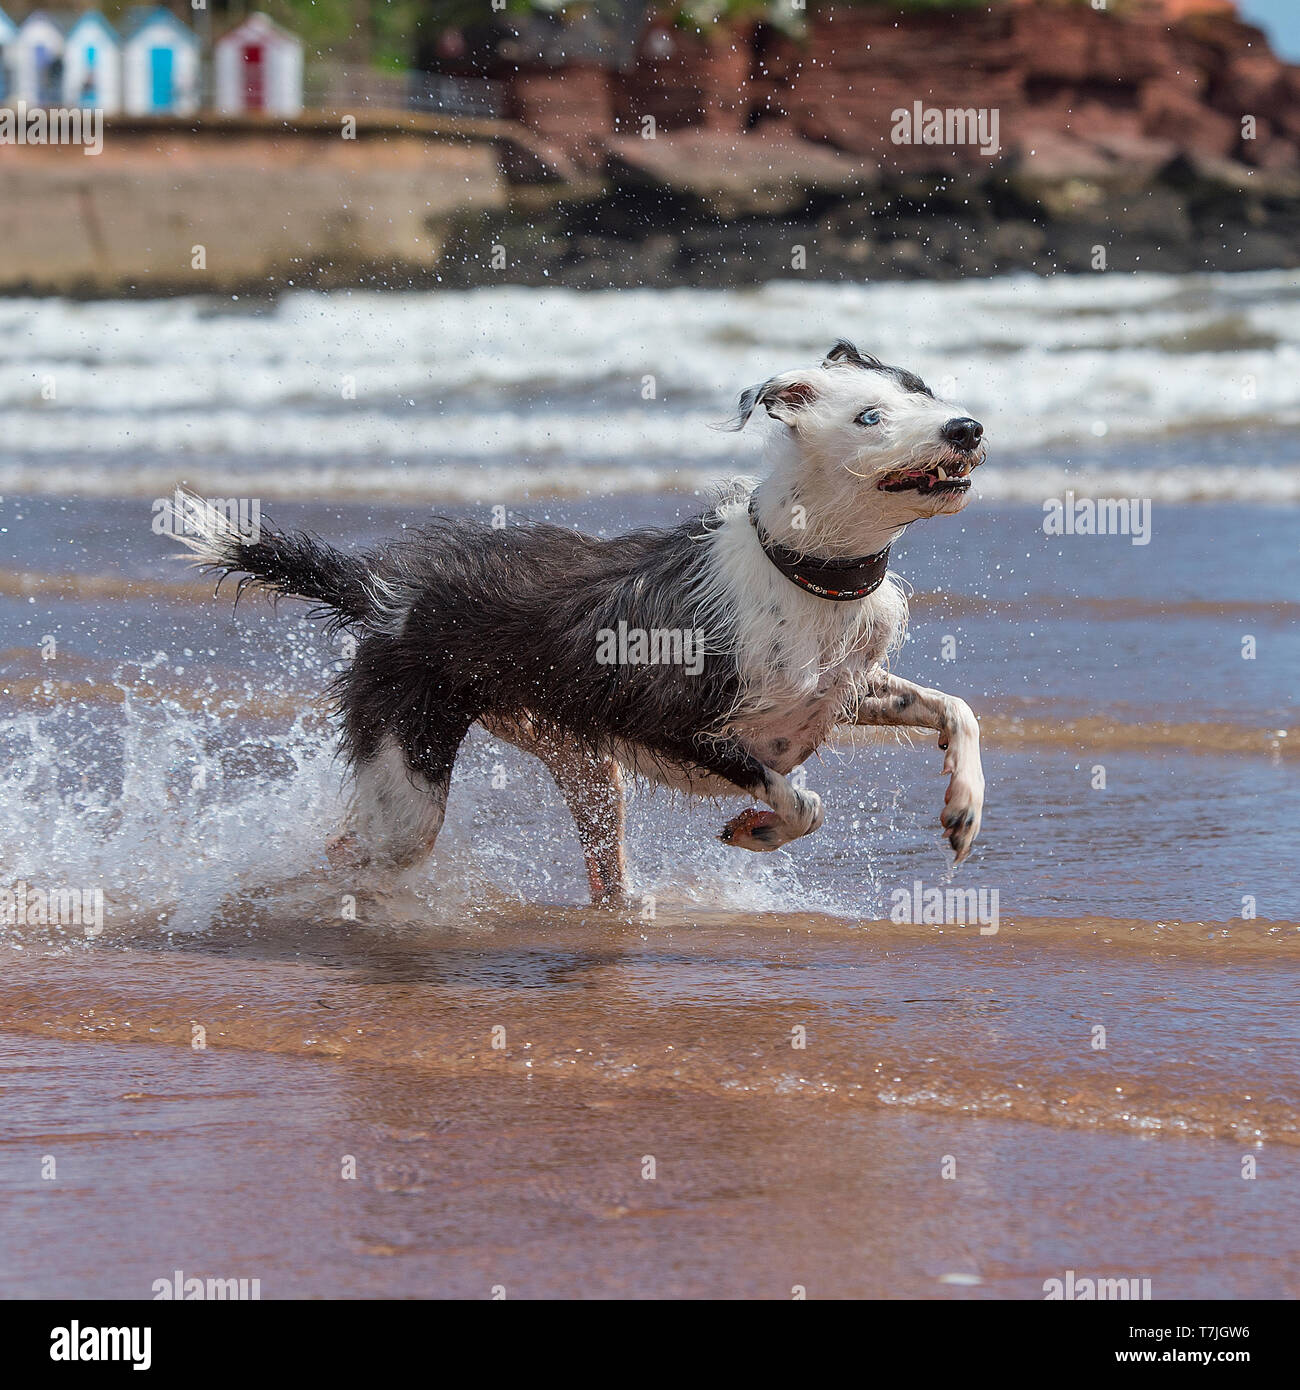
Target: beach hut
(258,67)
(160,64)
(8,33)
(36,66)
(92,64)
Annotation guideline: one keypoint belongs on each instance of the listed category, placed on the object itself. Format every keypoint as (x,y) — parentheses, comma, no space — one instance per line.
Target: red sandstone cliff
(1073,85)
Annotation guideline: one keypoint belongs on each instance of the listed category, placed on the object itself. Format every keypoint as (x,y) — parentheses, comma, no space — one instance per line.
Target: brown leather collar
(841,581)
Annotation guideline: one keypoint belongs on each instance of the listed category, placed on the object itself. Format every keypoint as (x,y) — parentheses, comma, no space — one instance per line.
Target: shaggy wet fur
(505,624)
(461,623)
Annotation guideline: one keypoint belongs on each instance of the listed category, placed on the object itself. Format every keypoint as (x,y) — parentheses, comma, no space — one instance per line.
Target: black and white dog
(783,585)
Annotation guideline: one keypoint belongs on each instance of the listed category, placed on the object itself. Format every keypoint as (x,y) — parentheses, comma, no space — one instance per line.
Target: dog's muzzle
(949,471)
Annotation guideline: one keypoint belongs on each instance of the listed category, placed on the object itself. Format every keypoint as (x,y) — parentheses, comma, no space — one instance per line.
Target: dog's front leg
(794,812)
(892,702)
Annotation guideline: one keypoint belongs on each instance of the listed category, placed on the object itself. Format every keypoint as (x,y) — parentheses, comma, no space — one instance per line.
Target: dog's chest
(785,731)
(782,733)
(789,705)
(796,686)
(797,659)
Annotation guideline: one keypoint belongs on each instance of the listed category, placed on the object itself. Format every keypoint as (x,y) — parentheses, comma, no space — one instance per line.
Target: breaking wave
(452,394)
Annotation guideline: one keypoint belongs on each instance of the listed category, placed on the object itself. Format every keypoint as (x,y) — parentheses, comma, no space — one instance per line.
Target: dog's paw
(763,830)
(962,809)
(754,829)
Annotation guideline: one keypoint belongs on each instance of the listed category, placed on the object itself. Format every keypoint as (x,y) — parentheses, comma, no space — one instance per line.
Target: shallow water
(176,756)
(1086,658)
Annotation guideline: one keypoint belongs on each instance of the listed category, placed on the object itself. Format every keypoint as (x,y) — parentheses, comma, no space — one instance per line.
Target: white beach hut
(92,64)
(8,33)
(258,67)
(160,64)
(36,67)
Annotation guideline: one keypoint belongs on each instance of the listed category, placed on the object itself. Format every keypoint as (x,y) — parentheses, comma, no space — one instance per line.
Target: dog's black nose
(965,433)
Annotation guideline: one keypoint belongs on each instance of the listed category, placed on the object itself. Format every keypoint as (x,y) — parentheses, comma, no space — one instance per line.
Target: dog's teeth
(942,475)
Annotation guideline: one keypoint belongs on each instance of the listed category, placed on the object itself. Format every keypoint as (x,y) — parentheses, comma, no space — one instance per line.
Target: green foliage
(930,6)
(322,23)
(385,30)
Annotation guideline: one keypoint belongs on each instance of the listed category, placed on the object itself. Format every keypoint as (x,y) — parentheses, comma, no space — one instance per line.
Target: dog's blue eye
(868,417)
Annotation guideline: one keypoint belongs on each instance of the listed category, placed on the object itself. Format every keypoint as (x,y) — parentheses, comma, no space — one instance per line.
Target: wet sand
(928,1049)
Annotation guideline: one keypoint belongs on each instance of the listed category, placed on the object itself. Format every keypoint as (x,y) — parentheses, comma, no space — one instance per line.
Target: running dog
(713,657)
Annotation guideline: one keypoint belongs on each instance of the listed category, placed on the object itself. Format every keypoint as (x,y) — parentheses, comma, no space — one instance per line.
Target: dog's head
(872,438)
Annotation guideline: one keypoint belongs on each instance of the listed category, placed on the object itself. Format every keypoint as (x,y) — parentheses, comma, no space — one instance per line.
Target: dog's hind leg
(795,812)
(398,804)
(592,787)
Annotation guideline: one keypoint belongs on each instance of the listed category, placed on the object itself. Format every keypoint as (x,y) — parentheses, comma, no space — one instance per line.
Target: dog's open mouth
(952,475)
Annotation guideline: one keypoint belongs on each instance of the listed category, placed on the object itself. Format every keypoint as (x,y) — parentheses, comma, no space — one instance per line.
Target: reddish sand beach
(561,1105)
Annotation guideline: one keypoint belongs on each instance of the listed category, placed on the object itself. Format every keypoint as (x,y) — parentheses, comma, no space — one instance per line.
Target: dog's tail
(295,563)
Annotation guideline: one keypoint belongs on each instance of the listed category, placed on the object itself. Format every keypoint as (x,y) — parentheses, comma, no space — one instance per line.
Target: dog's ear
(844,351)
(782,397)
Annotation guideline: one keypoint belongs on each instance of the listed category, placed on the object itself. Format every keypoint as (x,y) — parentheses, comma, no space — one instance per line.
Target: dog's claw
(960,819)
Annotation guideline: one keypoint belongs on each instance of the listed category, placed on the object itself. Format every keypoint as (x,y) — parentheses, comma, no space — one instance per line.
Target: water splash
(180,815)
